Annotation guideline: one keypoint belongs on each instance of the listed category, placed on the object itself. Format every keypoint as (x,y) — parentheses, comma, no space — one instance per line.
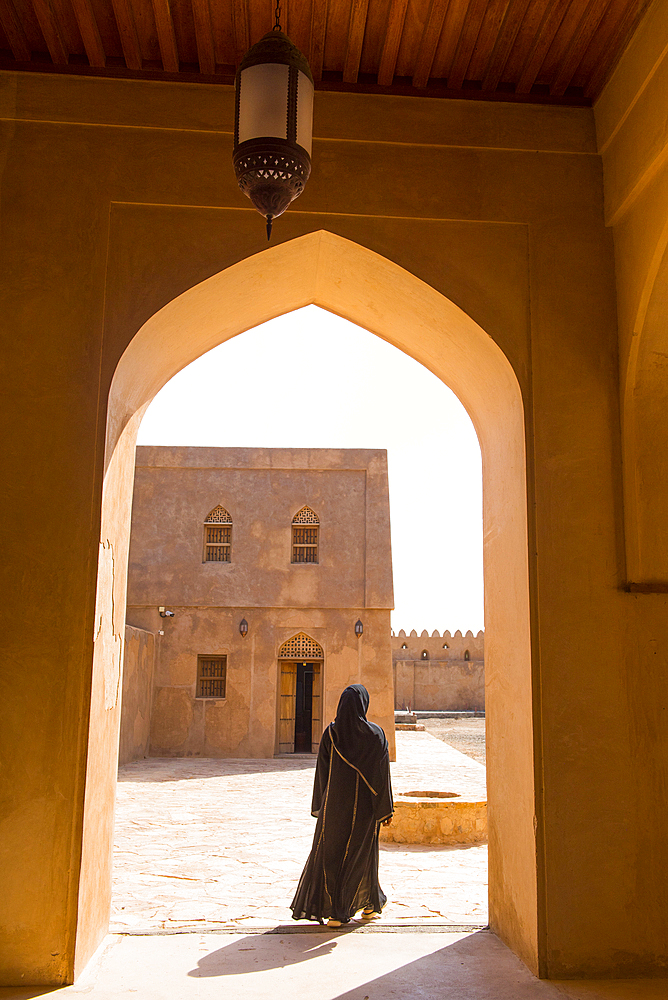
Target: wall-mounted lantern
(243,628)
(359,628)
(273,125)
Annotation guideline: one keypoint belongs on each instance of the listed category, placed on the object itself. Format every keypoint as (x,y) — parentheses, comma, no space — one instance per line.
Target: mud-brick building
(266,577)
(435,672)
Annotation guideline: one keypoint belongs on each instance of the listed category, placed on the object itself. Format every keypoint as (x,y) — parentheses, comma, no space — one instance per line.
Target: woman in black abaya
(352,796)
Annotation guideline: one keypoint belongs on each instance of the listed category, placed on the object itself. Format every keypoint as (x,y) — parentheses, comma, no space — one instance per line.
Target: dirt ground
(465,735)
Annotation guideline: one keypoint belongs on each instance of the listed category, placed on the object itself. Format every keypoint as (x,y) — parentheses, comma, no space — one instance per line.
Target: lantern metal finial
(273,123)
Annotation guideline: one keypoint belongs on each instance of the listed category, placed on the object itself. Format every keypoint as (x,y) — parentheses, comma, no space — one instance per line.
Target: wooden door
(286,731)
(316,710)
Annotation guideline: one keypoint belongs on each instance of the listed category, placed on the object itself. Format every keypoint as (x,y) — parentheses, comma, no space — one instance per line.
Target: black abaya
(352,795)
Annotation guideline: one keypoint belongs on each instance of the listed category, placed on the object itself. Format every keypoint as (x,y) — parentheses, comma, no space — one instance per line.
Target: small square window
(211,676)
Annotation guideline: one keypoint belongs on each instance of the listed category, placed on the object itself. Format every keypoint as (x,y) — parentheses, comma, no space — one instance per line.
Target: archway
(375,293)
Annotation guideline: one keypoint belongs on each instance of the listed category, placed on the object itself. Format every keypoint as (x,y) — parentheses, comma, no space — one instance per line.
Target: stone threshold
(360,927)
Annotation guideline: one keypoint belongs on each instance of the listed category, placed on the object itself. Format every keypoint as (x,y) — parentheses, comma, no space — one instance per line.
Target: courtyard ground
(222,843)
(466,735)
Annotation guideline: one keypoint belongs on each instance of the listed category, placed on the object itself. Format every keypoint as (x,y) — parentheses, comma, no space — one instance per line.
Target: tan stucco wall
(445,679)
(117,196)
(138,665)
(262,490)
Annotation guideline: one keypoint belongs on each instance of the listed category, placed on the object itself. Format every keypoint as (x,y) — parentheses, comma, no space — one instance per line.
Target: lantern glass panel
(304,112)
(263,101)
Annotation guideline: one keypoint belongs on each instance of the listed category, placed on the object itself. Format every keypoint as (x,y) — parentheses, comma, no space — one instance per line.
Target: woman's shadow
(260,952)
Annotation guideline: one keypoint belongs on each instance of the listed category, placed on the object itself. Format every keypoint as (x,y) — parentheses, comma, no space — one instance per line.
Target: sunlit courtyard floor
(211,843)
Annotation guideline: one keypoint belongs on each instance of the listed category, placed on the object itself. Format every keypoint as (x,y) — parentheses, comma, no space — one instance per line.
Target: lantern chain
(277,16)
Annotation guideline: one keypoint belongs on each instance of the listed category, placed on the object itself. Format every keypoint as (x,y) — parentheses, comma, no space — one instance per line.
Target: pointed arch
(219,515)
(360,285)
(301,647)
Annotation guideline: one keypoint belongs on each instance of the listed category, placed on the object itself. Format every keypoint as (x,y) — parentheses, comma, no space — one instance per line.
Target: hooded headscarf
(362,744)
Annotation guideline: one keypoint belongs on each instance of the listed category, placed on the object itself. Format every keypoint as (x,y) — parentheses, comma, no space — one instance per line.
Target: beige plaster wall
(448,685)
(444,679)
(262,489)
(245,723)
(118,196)
(138,665)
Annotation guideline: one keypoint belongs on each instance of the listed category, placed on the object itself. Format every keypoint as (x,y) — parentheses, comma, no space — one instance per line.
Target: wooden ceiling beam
(430,39)
(390,53)
(584,33)
(166,37)
(541,46)
(318,32)
(127,30)
(466,44)
(204,36)
(13,28)
(90,33)
(241,29)
(504,43)
(357,25)
(604,67)
(51,31)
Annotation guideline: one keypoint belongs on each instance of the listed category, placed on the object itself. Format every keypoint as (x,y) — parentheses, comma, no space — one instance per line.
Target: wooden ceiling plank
(605,67)
(204,36)
(241,29)
(318,33)
(585,31)
(166,37)
(430,39)
(90,32)
(357,25)
(542,42)
(51,31)
(466,44)
(13,28)
(504,43)
(393,33)
(127,30)
(493,20)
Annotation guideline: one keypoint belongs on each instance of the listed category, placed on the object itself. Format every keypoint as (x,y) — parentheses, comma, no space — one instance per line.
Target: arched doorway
(369,290)
(300,662)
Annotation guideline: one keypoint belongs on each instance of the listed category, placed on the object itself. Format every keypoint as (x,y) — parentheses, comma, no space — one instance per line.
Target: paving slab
(323,966)
(204,843)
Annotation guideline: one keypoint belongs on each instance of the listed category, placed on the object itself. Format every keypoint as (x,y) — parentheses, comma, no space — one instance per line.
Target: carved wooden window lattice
(211,676)
(305,528)
(218,536)
(301,647)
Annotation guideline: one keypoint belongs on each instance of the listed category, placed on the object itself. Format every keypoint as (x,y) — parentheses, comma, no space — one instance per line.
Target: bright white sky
(312,380)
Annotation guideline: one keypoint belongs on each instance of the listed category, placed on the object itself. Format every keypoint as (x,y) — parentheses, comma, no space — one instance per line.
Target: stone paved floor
(206,843)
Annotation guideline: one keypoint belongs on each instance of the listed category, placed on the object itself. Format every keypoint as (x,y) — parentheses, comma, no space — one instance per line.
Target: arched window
(467,655)
(305,527)
(404,646)
(217,536)
(445,646)
(425,654)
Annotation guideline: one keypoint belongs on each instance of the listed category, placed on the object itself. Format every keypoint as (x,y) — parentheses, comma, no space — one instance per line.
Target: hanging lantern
(273,124)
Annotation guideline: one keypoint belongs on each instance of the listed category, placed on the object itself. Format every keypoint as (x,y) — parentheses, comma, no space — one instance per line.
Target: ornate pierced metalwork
(301,647)
(271,173)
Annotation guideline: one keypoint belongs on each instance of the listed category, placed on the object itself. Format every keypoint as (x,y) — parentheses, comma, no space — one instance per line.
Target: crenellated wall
(450,677)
